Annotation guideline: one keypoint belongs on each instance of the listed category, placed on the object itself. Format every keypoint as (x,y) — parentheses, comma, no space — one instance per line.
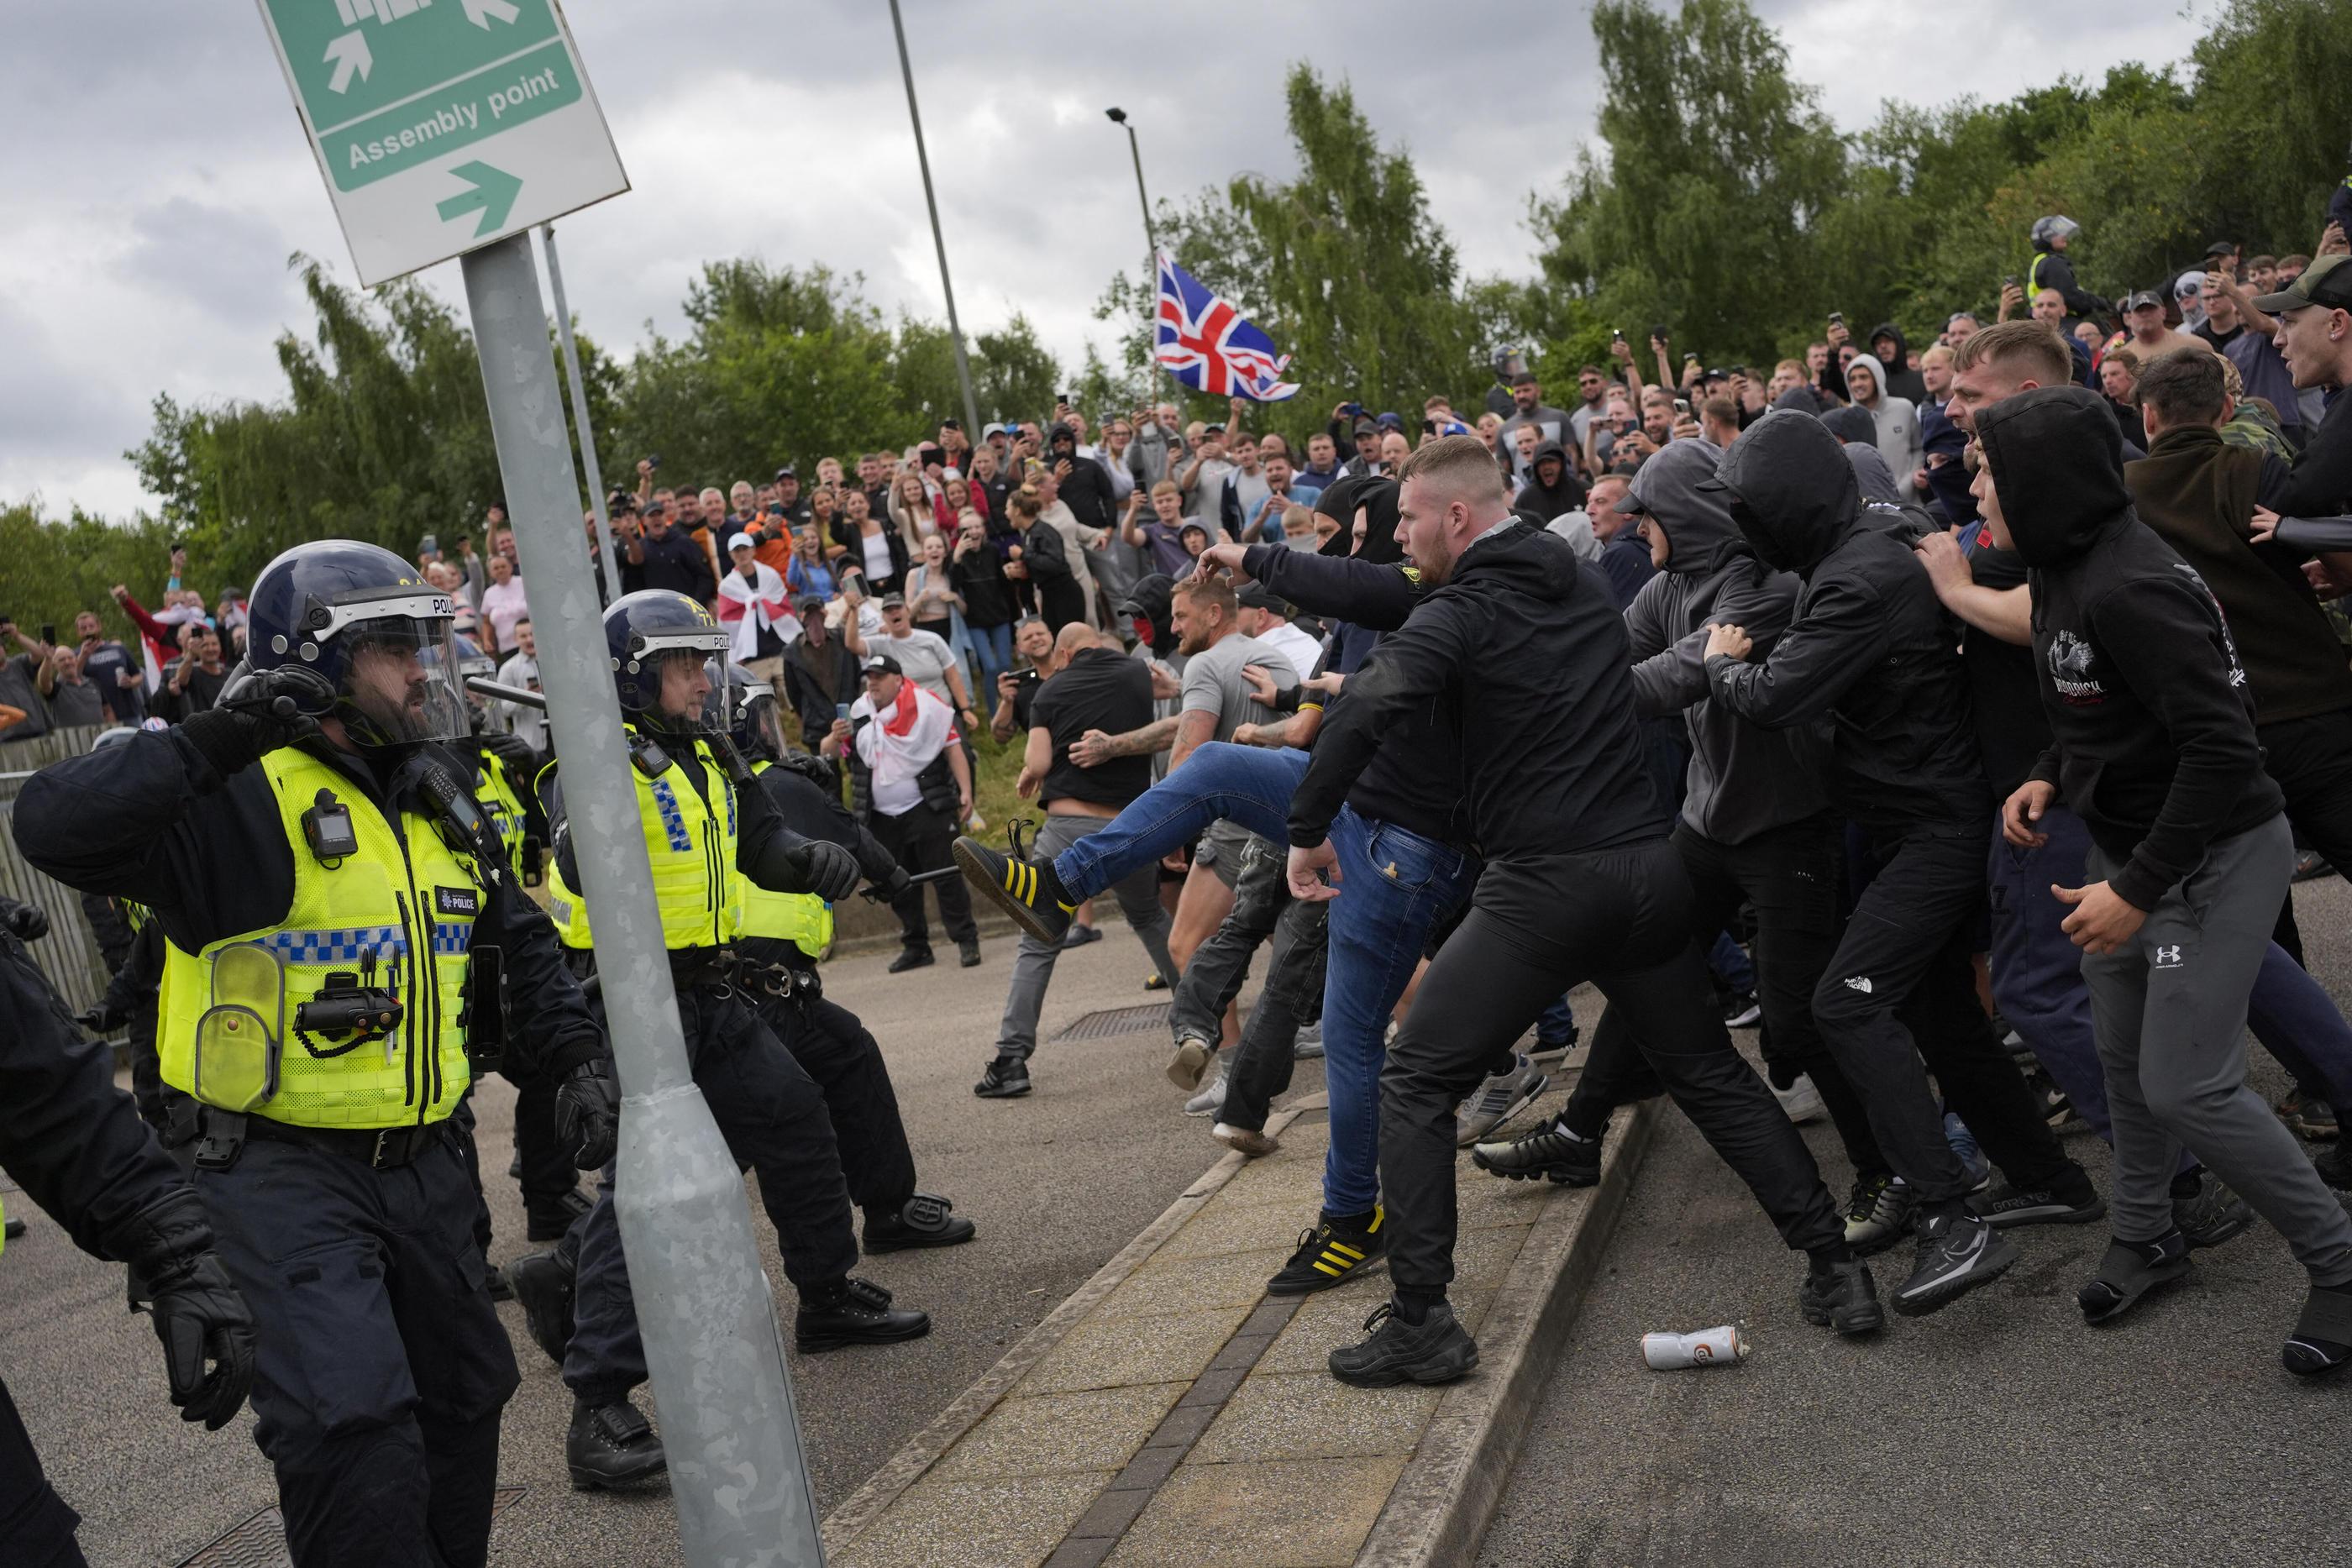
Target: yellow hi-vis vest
(800,918)
(228,1029)
(690,837)
(497,792)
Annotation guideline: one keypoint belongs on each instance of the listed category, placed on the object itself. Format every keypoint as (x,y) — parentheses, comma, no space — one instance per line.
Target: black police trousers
(836,1050)
(774,1119)
(1538,927)
(36,1527)
(382,1367)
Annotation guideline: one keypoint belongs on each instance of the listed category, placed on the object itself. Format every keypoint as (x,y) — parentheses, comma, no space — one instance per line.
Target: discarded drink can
(1708,1347)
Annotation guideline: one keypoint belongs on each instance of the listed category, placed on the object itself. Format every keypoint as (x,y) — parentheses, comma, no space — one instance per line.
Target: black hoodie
(1563,496)
(2153,723)
(1870,647)
(1521,658)
(1900,378)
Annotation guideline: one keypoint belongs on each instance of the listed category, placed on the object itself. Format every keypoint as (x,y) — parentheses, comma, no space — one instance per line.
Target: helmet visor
(403,679)
(722,706)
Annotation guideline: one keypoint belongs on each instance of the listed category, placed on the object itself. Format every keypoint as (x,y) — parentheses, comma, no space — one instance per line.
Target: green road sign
(425,113)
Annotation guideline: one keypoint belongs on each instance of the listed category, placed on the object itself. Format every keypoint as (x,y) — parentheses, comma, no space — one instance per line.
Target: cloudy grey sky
(157,178)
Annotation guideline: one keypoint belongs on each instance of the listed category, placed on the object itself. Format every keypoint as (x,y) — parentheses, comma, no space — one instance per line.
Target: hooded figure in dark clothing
(1895,358)
(1147,609)
(1554,491)
(1375,496)
(2153,745)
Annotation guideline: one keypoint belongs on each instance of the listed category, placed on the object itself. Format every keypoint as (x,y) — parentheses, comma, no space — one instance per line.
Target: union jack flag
(1209,347)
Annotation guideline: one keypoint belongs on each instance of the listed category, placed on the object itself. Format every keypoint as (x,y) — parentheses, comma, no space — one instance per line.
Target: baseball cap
(2326,281)
(809,604)
(741,541)
(988,430)
(2221,248)
(2144,299)
(894,599)
(882,664)
(788,472)
(1390,422)
(1254,595)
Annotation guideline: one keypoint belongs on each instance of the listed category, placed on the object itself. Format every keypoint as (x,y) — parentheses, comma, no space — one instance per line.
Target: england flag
(1209,347)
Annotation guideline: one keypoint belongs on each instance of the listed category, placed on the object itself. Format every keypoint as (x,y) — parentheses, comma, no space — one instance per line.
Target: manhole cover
(260,1541)
(1117,1020)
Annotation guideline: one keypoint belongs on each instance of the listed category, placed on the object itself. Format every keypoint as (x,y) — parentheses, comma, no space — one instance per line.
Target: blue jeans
(2297,1021)
(2037,971)
(1395,888)
(1248,784)
(992,648)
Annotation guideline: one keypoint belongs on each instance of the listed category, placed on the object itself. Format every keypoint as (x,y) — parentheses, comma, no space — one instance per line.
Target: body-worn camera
(344,1006)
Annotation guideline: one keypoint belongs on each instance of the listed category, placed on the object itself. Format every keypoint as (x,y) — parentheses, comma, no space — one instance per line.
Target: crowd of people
(1958,718)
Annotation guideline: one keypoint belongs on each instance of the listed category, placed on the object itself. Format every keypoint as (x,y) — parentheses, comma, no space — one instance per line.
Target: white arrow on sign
(350,54)
(479,12)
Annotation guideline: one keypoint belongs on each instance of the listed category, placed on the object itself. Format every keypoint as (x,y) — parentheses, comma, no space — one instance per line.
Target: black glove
(199,1315)
(259,712)
(100,1019)
(25,922)
(588,1114)
(824,869)
(896,882)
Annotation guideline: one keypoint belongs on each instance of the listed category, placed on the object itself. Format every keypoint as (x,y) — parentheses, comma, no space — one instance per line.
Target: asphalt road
(2000,1431)
(1056,1182)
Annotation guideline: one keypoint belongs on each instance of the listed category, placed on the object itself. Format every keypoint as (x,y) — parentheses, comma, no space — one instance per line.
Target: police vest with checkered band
(800,918)
(691,836)
(395,917)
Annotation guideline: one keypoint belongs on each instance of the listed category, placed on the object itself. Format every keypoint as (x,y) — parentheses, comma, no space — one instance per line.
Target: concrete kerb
(1441,1505)
(911,1463)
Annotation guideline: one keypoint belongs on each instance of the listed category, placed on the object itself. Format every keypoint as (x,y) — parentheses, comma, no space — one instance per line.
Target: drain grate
(1117,1020)
(260,1541)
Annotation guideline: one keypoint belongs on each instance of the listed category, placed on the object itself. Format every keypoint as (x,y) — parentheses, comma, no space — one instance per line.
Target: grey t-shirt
(19,689)
(924,658)
(1248,489)
(75,703)
(1213,682)
(1208,490)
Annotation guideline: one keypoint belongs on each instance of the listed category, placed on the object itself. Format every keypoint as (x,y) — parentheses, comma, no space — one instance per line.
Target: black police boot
(910,958)
(544,1287)
(854,1312)
(546,1220)
(611,1445)
(923,1220)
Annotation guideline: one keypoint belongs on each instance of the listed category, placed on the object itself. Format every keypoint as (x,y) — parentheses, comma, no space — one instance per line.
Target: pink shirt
(503,605)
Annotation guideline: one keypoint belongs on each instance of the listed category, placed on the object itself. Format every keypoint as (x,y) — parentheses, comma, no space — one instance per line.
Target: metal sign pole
(580,418)
(737,1472)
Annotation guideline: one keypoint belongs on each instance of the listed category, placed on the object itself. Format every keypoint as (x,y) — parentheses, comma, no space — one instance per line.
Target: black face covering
(1759,538)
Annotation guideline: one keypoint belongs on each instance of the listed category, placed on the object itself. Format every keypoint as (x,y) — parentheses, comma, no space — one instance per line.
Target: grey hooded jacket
(1744,780)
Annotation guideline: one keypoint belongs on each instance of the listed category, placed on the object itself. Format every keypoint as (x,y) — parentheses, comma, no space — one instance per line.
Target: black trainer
(1552,1153)
(968,954)
(1026,890)
(547,1220)
(1330,1255)
(1957,1254)
(2212,1214)
(855,1312)
(910,958)
(1843,1297)
(611,1445)
(923,1220)
(1005,1078)
(545,1288)
(2005,1205)
(1435,1350)
(2334,1167)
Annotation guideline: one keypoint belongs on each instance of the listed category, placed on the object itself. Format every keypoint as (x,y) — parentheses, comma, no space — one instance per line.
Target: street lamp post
(1151,261)
(955,330)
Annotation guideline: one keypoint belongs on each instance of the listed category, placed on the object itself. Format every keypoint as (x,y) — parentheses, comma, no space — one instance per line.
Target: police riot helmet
(2056,226)
(664,645)
(378,639)
(742,706)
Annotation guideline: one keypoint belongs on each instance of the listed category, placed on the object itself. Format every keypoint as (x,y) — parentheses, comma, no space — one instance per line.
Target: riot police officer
(342,927)
(783,937)
(73,1141)
(708,838)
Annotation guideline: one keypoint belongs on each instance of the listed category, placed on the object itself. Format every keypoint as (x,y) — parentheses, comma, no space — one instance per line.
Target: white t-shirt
(529,723)
(1295,645)
(877,556)
(924,658)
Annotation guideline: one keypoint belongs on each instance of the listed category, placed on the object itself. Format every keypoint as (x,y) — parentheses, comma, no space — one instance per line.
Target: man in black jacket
(1520,648)
(1755,825)
(76,1144)
(2155,749)
(820,671)
(1871,649)
(1552,489)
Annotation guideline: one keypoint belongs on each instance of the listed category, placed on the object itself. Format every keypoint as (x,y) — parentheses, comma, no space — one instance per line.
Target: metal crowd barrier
(69,954)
